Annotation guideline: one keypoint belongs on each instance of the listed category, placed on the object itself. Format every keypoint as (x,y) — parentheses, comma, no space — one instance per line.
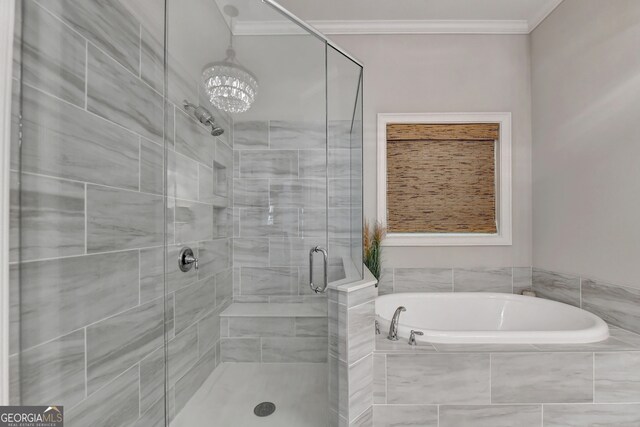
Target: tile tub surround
(506,385)
(351,358)
(92,305)
(480,279)
(617,305)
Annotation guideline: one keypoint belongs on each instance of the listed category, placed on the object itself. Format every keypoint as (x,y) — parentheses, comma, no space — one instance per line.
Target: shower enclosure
(170,255)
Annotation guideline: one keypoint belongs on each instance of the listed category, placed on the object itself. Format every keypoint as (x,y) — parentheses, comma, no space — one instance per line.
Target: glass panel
(356,175)
(198,207)
(88,215)
(164,209)
(251,203)
(344,109)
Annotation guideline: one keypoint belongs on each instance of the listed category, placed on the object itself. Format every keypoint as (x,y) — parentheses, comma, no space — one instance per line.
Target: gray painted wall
(450,73)
(586,104)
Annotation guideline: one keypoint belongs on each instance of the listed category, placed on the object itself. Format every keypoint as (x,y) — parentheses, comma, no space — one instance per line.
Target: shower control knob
(186,259)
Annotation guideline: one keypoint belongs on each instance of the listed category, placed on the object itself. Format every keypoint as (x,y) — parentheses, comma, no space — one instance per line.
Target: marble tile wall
(88,258)
(482,279)
(617,305)
(506,388)
(351,358)
(286,339)
(554,386)
(280,205)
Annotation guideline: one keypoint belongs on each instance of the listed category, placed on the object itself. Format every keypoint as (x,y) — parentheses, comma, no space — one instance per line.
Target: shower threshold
(230,394)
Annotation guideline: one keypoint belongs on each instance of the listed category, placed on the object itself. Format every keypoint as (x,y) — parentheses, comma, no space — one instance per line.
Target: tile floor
(229,395)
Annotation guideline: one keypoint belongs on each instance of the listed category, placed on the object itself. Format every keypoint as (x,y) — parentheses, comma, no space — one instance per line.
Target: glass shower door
(163,214)
(344,164)
(247,193)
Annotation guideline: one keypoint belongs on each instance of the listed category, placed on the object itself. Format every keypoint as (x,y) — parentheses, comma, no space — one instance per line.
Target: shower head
(205,117)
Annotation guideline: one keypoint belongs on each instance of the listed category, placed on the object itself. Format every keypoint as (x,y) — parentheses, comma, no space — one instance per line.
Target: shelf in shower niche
(240,309)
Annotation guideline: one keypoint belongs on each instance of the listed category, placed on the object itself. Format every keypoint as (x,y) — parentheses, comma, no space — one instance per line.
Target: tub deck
(508,384)
(619,340)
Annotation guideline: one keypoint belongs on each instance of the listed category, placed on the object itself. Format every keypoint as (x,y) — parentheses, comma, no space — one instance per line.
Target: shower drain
(264,409)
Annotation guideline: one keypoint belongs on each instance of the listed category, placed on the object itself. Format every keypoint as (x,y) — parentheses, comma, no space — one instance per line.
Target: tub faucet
(412,337)
(393,329)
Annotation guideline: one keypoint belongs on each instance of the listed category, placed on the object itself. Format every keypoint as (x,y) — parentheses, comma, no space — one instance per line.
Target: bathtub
(478,317)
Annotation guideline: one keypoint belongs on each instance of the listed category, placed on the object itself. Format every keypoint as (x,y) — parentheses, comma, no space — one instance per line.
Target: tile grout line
(86,365)
(86,224)
(490,378)
(87,111)
(139,164)
(497,405)
(110,316)
(386,380)
(72,29)
(139,389)
(593,379)
(116,251)
(140,51)
(512,279)
(86,75)
(139,277)
(111,187)
(110,382)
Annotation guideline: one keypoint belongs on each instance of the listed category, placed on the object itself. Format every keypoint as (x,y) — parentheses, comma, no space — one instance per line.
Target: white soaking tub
(478,317)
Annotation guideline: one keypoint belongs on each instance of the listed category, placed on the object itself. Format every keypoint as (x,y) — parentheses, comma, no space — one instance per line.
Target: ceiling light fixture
(229,85)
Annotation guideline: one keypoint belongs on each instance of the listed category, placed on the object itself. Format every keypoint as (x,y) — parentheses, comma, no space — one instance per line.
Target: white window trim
(503,237)
(7,14)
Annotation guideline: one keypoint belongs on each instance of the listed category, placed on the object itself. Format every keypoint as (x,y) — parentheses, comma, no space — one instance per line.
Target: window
(444,179)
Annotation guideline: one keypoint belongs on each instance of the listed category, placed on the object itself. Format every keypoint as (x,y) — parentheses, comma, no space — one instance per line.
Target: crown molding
(542,14)
(354,27)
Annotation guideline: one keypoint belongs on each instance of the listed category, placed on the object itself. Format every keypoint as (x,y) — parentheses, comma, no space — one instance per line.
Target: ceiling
(404,16)
(417,9)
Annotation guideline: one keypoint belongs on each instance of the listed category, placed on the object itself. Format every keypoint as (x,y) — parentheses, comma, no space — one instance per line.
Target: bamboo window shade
(441,178)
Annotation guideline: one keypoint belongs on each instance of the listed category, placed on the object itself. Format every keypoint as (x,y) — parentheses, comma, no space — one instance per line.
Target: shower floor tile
(227,398)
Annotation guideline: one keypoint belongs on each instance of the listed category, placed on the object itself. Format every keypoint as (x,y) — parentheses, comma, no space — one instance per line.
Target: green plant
(372,247)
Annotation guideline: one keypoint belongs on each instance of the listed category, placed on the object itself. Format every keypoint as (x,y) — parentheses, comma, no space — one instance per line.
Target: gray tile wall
(288,338)
(533,388)
(481,279)
(548,385)
(88,251)
(351,358)
(280,205)
(617,305)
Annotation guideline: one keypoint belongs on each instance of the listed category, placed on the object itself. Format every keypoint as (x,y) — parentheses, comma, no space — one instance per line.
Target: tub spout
(393,329)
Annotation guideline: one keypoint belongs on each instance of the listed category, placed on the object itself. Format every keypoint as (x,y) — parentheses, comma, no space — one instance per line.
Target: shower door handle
(325,256)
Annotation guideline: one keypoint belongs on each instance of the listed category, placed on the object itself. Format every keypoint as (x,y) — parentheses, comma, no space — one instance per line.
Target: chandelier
(230,86)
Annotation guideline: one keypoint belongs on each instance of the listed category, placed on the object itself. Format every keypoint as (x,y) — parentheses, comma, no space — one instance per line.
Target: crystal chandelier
(229,85)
